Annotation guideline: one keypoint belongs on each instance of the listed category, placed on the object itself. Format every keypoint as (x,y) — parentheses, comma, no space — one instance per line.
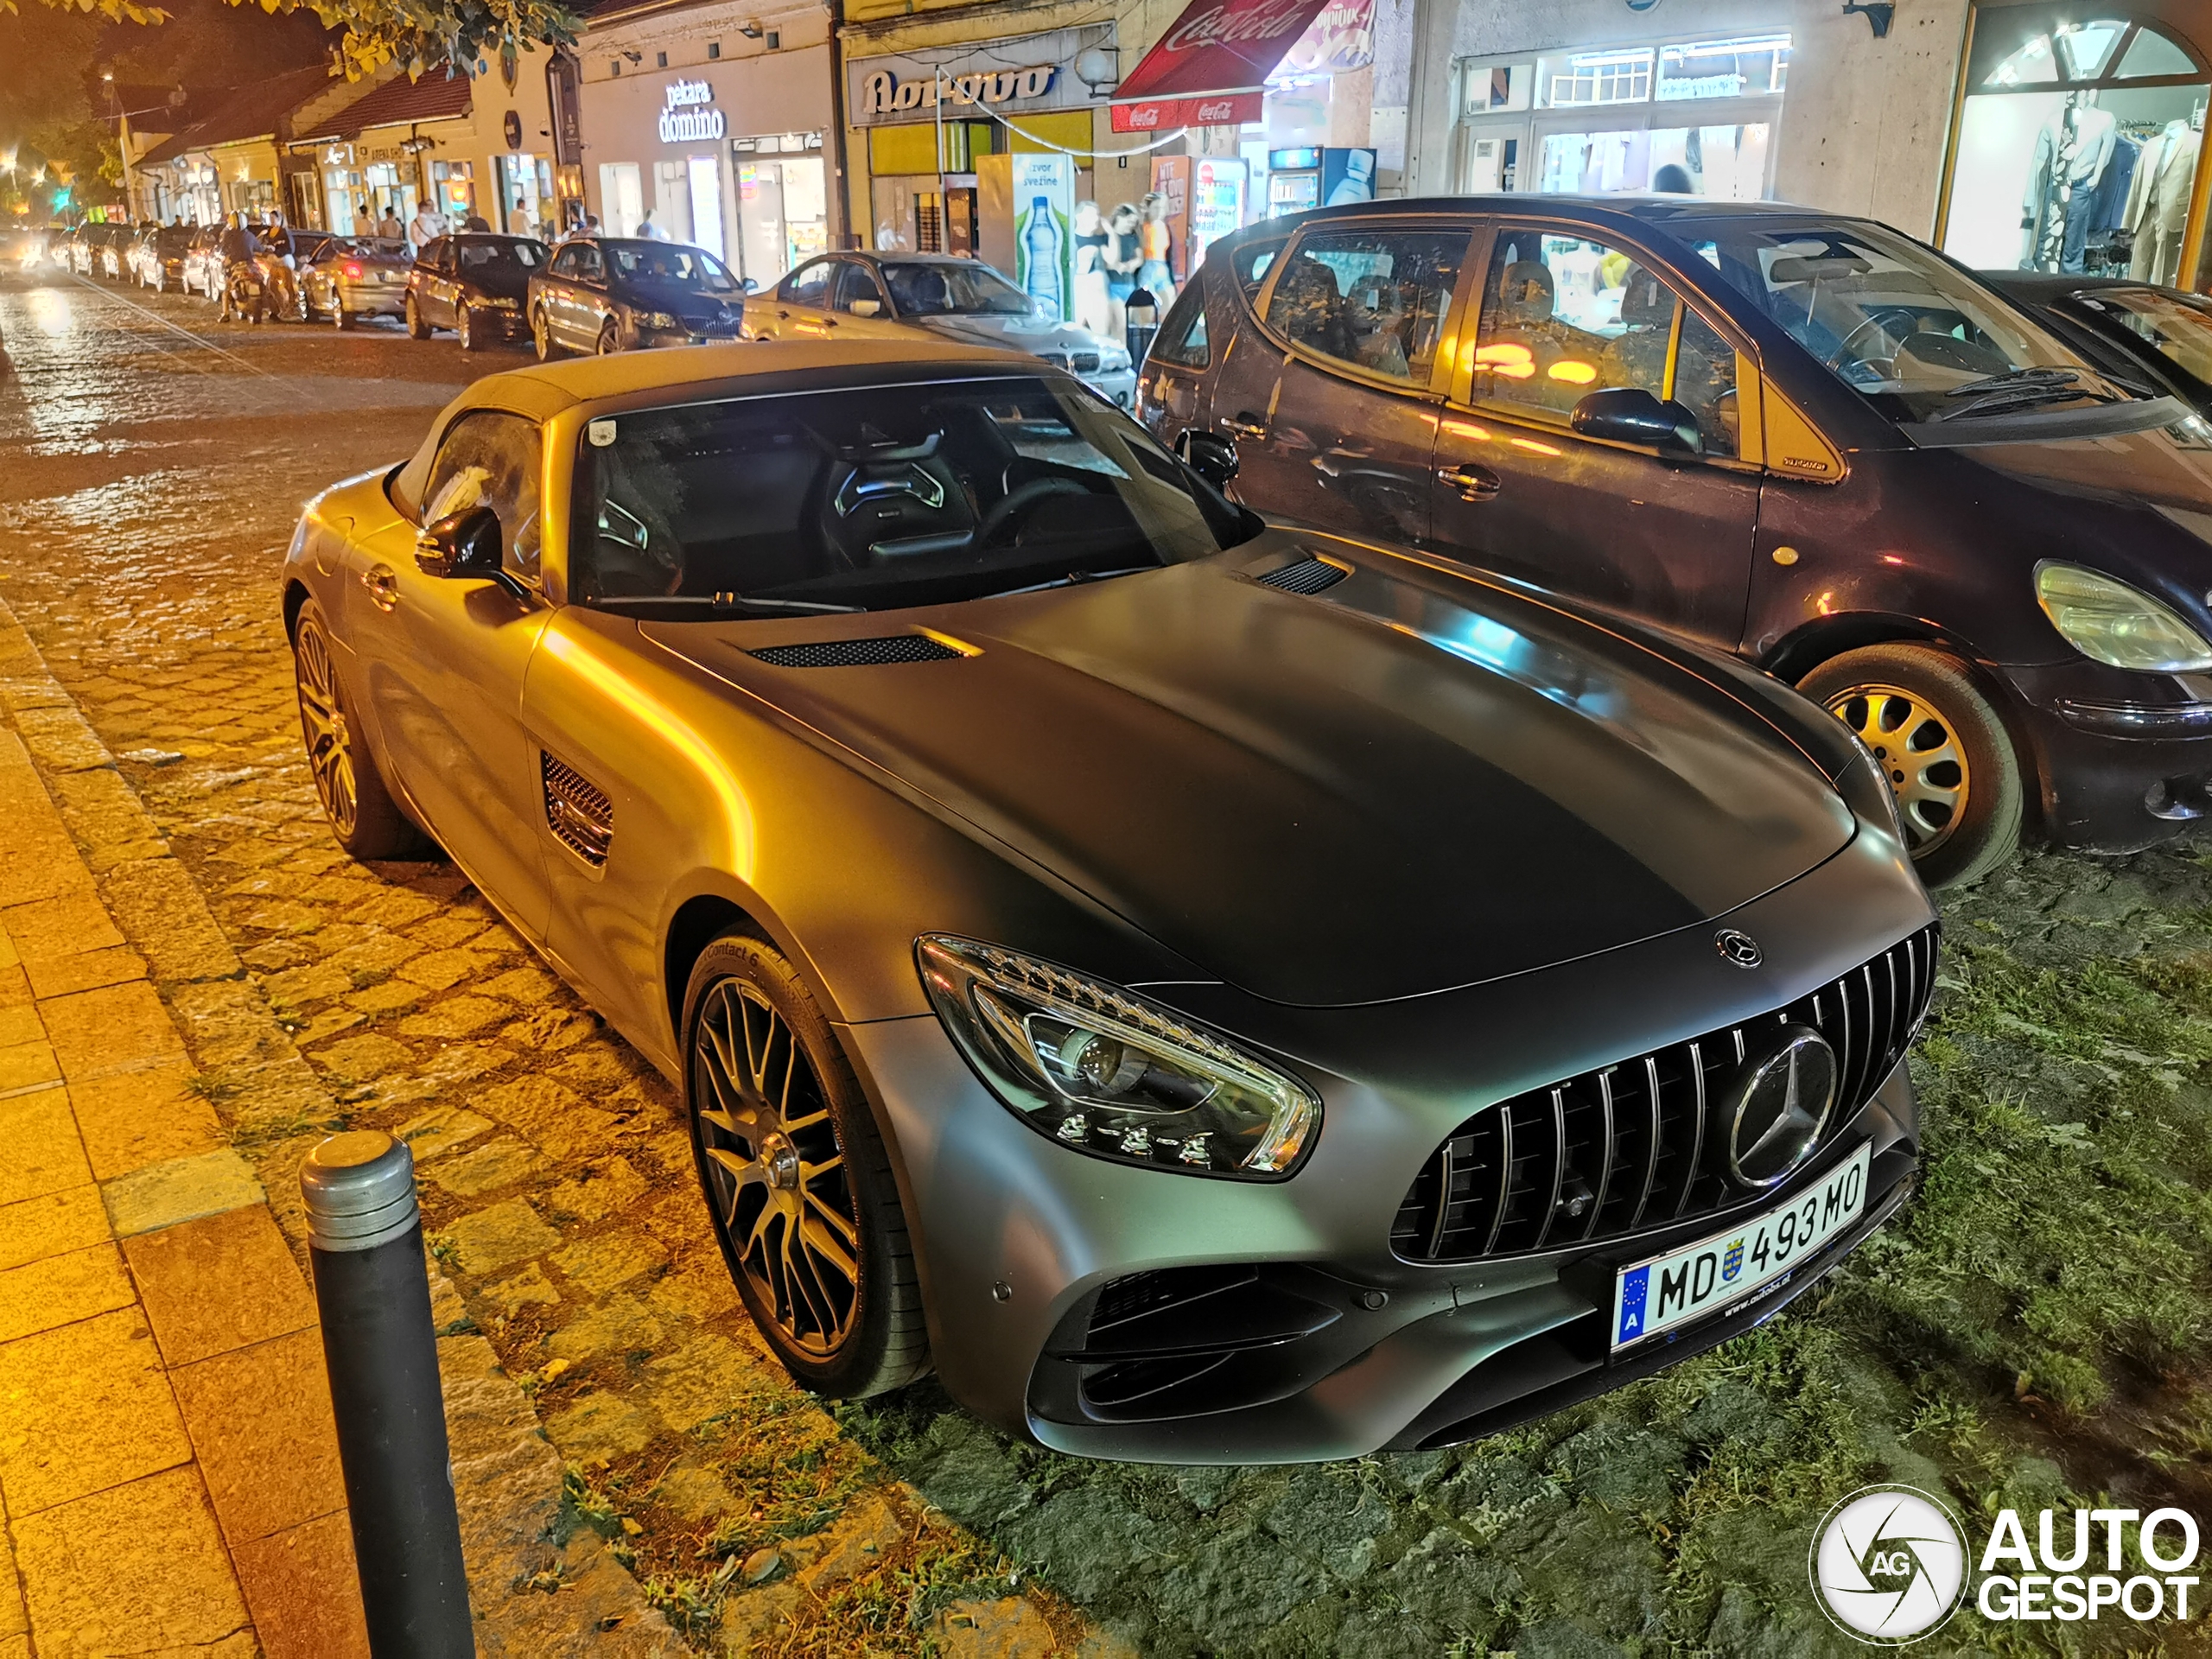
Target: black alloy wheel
(416,328)
(366,821)
(1942,747)
(797,1181)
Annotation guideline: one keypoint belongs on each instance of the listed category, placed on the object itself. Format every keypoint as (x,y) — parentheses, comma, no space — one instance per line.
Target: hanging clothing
(2072,151)
(2158,206)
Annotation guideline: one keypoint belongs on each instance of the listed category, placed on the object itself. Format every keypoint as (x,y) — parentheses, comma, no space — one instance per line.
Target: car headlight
(2113,623)
(1105,1071)
(656,320)
(500,302)
(1112,359)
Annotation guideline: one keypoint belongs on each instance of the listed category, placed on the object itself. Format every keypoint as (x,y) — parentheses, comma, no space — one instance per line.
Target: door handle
(1244,424)
(383,583)
(1474,483)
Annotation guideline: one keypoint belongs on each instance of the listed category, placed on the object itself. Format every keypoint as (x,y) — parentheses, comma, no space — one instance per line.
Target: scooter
(245,291)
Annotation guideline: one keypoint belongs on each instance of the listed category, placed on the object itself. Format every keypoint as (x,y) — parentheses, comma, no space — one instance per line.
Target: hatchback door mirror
(1631,414)
(1209,455)
(464,544)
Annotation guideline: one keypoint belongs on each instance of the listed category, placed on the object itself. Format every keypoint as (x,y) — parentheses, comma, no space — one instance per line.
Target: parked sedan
(2158,337)
(477,285)
(845,294)
(612,294)
(1802,438)
(202,270)
(1219,993)
(161,254)
(354,276)
(110,248)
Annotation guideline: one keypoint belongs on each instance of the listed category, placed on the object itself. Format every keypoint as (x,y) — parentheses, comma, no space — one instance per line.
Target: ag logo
(1888,1565)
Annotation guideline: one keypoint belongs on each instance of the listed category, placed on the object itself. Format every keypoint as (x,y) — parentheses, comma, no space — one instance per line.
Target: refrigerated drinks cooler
(1313,177)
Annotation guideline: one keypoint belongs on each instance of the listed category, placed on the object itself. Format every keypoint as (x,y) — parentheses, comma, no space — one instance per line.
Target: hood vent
(577,812)
(857,653)
(1307,576)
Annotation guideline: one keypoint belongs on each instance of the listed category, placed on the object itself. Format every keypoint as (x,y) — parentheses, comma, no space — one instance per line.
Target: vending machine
(1044,202)
(1217,204)
(1316,177)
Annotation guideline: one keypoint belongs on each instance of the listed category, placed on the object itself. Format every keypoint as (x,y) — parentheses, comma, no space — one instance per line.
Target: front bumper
(1018,1237)
(373,299)
(652,338)
(2124,760)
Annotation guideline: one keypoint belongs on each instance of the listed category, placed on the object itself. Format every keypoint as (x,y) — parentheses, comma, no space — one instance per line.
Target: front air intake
(1624,1149)
(856,654)
(577,810)
(1307,575)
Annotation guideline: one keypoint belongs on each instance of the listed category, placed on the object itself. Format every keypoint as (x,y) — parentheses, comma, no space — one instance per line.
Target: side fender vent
(577,812)
(1307,576)
(857,653)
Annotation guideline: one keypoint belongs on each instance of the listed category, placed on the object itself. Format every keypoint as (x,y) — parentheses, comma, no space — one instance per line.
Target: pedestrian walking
(651,231)
(389,228)
(428,226)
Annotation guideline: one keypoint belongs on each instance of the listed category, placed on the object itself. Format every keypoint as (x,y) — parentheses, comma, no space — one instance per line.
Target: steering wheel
(1016,504)
(1879,319)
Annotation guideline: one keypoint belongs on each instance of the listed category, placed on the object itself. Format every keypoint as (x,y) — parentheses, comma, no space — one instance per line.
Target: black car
(1799,437)
(606,294)
(1216,992)
(2160,338)
(476,284)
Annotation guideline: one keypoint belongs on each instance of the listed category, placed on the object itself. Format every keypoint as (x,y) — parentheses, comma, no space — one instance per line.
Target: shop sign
(1340,39)
(1165,114)
(1208,67)
(688,113)
(365,155)
(1023,75)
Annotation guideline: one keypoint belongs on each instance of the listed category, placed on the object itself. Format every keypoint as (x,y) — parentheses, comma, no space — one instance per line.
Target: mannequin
(2158,206)
(2072,152)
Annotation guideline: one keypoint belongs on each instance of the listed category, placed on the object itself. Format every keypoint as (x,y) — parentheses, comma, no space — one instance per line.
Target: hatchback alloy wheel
(776,1169)
(1920,756)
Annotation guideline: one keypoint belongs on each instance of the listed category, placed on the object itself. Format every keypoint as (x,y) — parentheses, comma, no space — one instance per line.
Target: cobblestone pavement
(2033,1331)
(151,465)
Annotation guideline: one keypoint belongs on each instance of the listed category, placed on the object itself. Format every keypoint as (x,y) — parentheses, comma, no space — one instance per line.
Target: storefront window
(454,184)
(1598,77)
(526,195)
(1750,67)
(782,204)
(621,197)
(2077,149)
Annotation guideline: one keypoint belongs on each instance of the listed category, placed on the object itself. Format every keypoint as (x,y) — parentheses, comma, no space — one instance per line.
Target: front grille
(1083,362)
(1307,575)
(577,812)
(857,653)
(1624,1149)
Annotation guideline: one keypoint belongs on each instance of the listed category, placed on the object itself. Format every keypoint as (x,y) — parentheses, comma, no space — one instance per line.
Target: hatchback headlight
(1105,1071)
(2115,623)
(657,320)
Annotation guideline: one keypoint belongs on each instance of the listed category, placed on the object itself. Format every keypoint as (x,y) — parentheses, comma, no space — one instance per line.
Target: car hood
(1402,787)
(498,283)
(1015,333)
(677,298)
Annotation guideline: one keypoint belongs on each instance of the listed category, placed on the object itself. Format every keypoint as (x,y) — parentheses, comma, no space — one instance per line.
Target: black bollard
(1141,315)
(364,1236)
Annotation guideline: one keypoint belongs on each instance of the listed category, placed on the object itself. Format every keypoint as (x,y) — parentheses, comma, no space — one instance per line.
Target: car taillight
(354,271)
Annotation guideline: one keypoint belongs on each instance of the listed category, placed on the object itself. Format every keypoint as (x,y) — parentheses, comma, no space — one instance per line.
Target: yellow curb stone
(43,1152)
(135,1569)
(135,1118)
(88,971)
(115,1422)
(63,925)
(116,1028)
(32,1230)
(62,1289)
(183,1189)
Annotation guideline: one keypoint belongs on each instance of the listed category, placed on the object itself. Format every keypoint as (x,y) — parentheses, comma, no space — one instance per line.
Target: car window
(1564,317)
(1182,338)
(473,257)
(932,288)
(589,265)
(489,459)
(1373,299)
(564,263)
(1918,337)
(2178,328)
(433,254)
(881,497)
(664,262)
(856,282)
(1253,260)
(809,285)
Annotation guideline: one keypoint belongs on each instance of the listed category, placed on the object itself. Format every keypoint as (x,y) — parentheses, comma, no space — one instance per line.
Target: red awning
(1208,67)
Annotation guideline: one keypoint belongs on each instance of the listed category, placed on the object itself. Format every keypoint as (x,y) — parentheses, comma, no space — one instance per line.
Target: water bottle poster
(1171,185)
(1044,237)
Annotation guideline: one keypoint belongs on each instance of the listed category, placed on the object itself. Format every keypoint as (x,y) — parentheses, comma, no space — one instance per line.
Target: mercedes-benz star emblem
(1739,949)
(1773,1115)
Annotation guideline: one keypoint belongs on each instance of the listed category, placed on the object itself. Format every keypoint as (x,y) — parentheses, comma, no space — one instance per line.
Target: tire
(540,335)
(1962,796)
(839,1306)
(416,328)
(464,331)
(340,316)
(362,814)
(610,339)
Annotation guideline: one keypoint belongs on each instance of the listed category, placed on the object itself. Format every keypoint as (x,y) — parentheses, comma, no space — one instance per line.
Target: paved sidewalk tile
(117,1029)
(43,1152)
(183,1189)
(218,1283)
(63,926)
(114,1420)
(32,1229)
(300,1586)
(137,1568)
(259,1419)
(28,1064)
(138,1118)
(86,970)
(62,1289)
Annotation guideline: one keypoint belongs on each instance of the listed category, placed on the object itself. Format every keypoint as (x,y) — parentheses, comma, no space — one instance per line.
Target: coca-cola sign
(1162,114)
(1219,46)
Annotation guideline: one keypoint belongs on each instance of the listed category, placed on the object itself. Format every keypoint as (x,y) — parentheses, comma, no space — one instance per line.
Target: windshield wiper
(2021,389)
(1074,578)
(730,602)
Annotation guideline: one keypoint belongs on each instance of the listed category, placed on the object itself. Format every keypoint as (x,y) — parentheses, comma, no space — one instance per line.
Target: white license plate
(1713,1273)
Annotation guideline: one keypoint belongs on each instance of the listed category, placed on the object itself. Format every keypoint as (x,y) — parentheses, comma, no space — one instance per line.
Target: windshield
(883,497)
(686,267)
(502,256)
(2180,328)
(1922,340)
(964,290)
